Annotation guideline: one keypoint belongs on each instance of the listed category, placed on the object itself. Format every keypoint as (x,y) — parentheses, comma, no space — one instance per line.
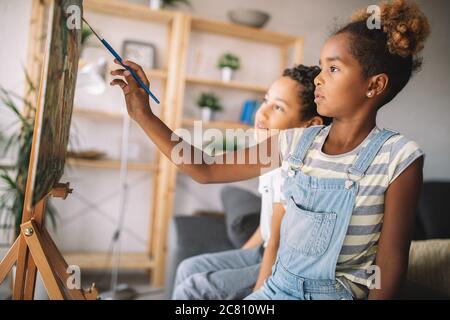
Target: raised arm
(232,166)
(399,215)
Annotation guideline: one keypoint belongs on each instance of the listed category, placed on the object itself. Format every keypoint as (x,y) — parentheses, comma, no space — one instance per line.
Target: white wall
(13,14)
(421,111)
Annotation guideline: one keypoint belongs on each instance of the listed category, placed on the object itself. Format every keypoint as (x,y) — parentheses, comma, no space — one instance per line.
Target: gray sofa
(204,233)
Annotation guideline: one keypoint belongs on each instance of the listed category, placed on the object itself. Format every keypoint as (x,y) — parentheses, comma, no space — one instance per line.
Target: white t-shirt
(270,190)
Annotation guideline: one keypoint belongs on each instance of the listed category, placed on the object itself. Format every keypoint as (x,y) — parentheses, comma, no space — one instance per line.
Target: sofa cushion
(434,210)
(242,210)
(429,266)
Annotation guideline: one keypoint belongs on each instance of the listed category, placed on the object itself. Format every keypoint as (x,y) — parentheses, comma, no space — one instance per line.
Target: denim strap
(368,153)
(296,158)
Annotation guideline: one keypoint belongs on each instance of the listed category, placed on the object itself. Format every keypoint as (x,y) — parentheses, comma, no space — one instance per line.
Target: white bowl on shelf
(249,17)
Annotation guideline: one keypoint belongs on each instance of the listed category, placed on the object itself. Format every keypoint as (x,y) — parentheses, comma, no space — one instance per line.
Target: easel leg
(60,265)
(22,262)
(35,250)
(35,243)
(9,260)
(30,283)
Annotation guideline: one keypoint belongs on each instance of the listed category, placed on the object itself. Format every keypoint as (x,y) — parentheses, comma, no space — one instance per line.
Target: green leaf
(229,60)
(6,99)
(12,140)
(29,81)
(174,3)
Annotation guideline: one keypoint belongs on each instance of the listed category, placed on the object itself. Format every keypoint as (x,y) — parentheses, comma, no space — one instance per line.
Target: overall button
(348,184)
(291,172)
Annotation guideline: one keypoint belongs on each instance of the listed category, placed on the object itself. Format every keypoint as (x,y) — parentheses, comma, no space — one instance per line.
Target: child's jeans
(218,276)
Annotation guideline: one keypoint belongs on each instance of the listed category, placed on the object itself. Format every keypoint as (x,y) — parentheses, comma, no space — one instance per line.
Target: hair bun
(405,25)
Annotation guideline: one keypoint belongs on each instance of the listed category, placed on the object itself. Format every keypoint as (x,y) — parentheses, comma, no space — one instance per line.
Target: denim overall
(318,212)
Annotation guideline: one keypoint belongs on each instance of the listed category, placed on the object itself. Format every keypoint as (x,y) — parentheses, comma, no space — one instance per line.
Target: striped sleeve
(287,140)
(403,153)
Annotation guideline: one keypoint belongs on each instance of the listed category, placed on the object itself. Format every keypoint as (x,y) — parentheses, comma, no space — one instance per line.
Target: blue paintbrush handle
(135,76)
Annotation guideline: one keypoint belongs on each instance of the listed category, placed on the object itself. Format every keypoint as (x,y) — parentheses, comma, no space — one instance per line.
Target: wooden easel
(34,250)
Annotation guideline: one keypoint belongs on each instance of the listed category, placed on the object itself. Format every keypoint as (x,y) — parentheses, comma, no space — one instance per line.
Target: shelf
(216,124)
(97,113)
(155,73)
(102,260)
(128,10)
(150,73)
(226,85)
(235,30)
(111,164)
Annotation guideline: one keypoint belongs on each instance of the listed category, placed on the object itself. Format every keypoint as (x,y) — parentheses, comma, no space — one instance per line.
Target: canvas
(55,102)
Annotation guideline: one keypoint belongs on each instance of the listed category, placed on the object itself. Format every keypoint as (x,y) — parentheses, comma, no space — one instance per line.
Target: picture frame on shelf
(143,53)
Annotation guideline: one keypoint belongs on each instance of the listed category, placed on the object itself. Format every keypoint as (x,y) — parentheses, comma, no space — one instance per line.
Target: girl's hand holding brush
(136,98)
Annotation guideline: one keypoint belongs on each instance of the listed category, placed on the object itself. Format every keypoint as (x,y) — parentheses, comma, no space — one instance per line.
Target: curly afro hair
(394,48)
(305,76)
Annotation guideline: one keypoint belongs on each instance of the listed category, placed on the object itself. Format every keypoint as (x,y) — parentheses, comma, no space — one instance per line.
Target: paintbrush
(116,55)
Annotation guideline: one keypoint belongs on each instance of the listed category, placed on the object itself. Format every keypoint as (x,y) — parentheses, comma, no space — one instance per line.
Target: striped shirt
(361,241)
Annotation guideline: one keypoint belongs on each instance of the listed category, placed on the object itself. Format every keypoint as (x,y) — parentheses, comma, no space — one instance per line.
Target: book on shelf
(249,109)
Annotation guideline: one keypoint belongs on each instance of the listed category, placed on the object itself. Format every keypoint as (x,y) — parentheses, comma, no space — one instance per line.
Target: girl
(350,189)
(232,274)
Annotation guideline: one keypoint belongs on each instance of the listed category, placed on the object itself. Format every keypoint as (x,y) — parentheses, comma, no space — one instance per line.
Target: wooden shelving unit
(216,124)
(101,260)
(226,85)
(94,113)
(175,81)
(242,32)
(111,164)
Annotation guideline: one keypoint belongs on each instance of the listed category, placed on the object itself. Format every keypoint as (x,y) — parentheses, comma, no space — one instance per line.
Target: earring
(369,94)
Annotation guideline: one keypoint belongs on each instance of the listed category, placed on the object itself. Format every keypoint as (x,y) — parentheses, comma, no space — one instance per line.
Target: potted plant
(209,103)
(14,181)
(158,4)
(228,63)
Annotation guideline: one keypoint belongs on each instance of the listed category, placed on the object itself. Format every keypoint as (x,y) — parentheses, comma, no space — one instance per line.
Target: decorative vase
(227,74)
(155,4)
(207,114)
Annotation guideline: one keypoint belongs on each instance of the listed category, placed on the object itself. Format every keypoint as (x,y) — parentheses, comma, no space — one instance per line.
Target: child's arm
(270,253)
(254,241)
(400,207)
(215,169)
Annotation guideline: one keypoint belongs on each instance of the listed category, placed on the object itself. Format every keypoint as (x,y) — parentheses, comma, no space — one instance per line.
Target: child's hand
(136,98)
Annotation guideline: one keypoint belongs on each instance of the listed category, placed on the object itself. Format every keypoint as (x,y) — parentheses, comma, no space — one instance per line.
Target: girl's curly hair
(305,76)
(393,49)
